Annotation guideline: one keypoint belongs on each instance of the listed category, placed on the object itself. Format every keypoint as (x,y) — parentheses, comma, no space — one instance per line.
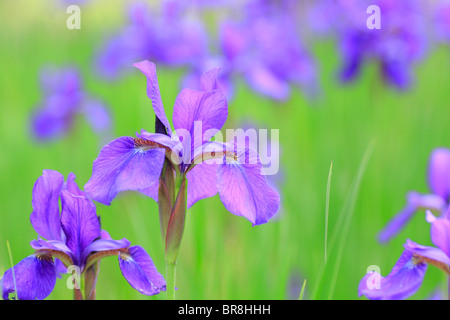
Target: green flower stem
(171,272)
(174,234)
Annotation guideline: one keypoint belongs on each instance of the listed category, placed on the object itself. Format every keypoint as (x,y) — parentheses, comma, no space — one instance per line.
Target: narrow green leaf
(327,210)
(302,292)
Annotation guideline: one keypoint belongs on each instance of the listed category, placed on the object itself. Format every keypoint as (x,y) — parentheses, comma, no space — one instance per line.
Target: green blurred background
(222,256)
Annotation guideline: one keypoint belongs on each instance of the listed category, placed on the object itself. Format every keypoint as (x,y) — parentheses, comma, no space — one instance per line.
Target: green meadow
(377,140)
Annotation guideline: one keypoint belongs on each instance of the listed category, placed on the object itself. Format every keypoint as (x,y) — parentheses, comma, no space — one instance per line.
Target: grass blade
(348,209)
(302,292)
(342,225)
(327,210)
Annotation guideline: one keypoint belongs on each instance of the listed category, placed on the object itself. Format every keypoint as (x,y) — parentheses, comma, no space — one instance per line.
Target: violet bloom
(438,199)
(74,237)
(264,49)
(169,37)
(267,51)
(396,47)
(407,275)
(64,98)
(178,168)
(135,163)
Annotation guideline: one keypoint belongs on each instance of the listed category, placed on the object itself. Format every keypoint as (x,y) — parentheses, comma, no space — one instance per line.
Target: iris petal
(80,224)
(403,281)
(123,165)
(149,70)
(45,216)
(430,255)
(439,173)
(440,234)
(202,182)
(207,108)
(244,190)
(138,268)
(105,245)
(35,278)
(415,201)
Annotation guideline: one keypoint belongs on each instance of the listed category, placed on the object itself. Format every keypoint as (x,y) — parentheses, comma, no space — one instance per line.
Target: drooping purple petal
(397,73)
(149,70)
(138,268)
(244,190)
(151,191)
(415,201)
(35,278)
(402,282)
(124,164)
(439,173)
(202,182)
(80,224)
(45,216)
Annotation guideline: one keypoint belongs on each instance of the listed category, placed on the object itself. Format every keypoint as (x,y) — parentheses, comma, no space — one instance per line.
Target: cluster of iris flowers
(407,275)
(177,172)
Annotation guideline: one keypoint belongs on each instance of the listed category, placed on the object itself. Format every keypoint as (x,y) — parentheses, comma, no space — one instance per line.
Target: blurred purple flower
(169,37)
(396,47)
(438,199)
(136,163)
(63,99)
(407,275)
(74,237)
(265,49)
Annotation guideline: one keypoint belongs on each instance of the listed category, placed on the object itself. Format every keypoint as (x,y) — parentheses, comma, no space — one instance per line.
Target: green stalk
(171,274)
(327,210)
(174,235)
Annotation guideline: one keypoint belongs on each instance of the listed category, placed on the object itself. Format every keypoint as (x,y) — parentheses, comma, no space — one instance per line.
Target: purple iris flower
(178,168)
(264,49)
(396,47)
(231,169)
(438,199)
(73,237)
(407,275)
(64,98)
(169,37)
